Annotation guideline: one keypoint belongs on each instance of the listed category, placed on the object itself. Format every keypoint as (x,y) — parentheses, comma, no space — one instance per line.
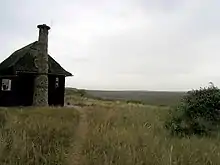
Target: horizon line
(128,90)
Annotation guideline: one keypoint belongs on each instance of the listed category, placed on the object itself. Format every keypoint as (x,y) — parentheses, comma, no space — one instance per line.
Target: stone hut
(30,76)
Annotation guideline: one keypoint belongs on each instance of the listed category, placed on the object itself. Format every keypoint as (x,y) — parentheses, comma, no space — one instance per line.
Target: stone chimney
(40,97)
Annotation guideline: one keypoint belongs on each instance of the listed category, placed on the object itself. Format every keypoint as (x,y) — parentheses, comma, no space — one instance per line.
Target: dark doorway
(24,89)
(56,90)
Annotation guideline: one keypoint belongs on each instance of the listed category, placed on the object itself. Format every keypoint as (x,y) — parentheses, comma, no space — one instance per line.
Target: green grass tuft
(136,135)
(36,136)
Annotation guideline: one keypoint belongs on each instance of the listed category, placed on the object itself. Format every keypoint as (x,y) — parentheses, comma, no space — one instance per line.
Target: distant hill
(147,97)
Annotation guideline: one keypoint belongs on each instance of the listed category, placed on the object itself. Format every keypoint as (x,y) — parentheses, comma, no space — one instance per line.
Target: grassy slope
(134,134)
(120,133)
(114,133)
(36,136)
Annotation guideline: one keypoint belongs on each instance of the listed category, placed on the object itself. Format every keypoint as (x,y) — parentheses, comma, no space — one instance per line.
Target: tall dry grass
(135,135)
(117,134)
(33,136)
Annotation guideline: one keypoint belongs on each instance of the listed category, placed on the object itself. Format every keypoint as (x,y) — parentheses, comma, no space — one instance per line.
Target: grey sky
(122,44)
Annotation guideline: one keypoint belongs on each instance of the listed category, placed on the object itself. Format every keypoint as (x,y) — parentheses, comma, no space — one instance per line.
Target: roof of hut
(22,60)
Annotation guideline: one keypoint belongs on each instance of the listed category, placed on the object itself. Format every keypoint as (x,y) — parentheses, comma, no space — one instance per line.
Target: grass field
(36,136)
(99,132)
(135,135)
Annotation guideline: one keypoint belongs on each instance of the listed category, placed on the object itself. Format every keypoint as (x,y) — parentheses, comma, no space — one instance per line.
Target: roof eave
(19,71)
(69,75)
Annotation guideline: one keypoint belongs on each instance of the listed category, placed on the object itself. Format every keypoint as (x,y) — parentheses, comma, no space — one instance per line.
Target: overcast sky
(122,44)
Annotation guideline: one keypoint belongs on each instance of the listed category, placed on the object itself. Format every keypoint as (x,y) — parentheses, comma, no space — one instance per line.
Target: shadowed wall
(21,93)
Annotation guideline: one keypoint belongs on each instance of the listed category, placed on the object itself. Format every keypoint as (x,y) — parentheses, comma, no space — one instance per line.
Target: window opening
(57,82)
(6,85)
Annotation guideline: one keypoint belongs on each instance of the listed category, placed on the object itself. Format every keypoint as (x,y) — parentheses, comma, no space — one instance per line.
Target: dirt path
(81,131)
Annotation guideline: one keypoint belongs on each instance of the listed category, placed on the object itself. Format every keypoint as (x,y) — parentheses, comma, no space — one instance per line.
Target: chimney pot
(43,26)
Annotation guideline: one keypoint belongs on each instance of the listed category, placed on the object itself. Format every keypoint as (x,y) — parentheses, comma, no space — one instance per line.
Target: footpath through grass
(109,133)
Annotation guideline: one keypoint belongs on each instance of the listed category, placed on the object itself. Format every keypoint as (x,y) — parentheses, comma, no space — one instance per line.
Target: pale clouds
(122,44)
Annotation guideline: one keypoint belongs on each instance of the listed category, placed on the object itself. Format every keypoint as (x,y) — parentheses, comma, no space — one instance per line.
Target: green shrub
(135,101)
(198,113)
